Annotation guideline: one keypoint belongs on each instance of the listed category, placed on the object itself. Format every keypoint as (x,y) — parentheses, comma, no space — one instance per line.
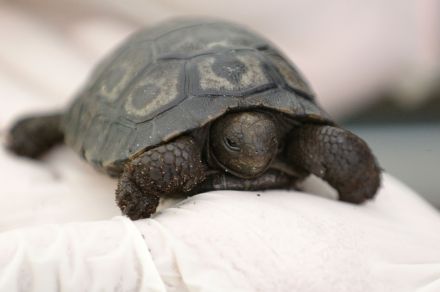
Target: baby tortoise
(198,105)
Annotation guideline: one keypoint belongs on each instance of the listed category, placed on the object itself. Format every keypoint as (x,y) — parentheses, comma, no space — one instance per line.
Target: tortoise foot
(133,202)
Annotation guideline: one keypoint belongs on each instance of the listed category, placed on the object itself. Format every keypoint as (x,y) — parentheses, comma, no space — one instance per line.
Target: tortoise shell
(176,77)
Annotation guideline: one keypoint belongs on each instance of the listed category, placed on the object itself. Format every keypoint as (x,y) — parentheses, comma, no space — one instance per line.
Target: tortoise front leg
(337,156)
(171,169)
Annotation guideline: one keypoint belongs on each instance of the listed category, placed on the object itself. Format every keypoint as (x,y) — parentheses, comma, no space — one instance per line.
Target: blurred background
(375,65)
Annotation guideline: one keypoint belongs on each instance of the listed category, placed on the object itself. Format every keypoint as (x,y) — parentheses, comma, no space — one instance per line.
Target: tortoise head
(244,143)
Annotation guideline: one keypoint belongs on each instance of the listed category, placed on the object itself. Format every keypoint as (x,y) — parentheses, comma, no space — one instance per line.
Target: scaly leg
(171,169)
(337,156)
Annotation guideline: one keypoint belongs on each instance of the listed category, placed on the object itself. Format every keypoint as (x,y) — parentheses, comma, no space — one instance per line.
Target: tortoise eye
(231,144)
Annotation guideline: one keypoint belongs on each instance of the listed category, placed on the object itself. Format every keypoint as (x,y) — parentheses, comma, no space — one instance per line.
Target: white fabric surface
(98,256)
(291,241)
(222,241)
(237,241)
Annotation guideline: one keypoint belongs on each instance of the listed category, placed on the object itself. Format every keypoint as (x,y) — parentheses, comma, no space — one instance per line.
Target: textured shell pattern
(176,77)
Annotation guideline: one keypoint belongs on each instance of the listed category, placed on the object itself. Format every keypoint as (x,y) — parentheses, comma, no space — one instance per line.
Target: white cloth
(97,256)
(291,241)
(237,241)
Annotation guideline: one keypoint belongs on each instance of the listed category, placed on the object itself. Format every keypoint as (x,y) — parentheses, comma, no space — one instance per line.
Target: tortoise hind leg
(337,156)
(33,136)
